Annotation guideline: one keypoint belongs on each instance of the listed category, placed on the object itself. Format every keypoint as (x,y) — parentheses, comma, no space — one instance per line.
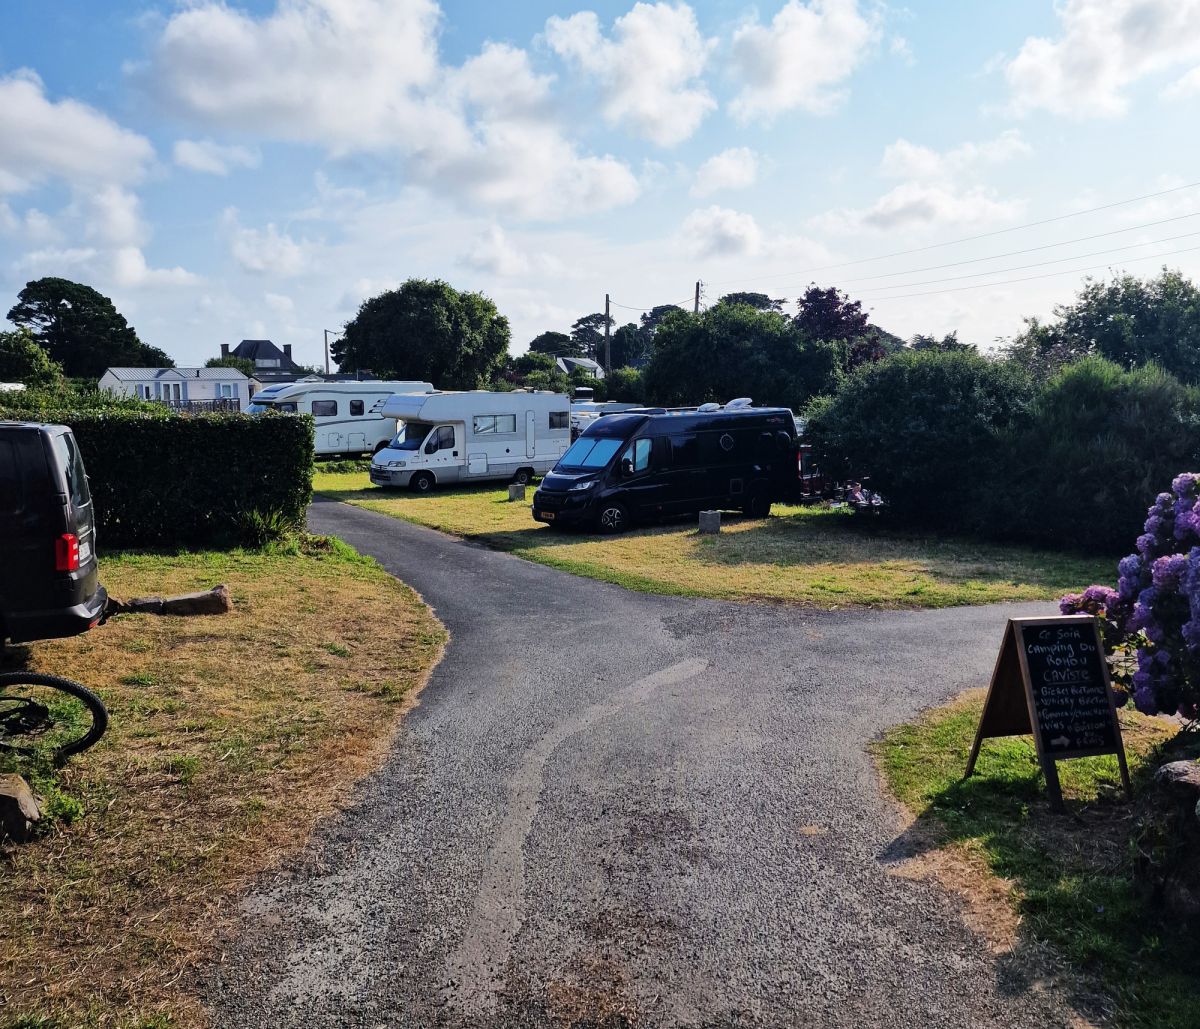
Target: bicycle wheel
(48,716)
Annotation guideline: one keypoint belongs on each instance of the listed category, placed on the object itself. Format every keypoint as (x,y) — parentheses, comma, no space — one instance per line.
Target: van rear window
(68,456)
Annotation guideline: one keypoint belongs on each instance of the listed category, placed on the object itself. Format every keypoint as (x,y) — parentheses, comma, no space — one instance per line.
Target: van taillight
(66,553)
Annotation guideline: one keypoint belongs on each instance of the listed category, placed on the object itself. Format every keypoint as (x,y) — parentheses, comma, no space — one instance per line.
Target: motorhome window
(259,406)
(590,452)
(288,406)
(324,408)
(685,450)
(356,408)
(411,436)
(483,424)
(560,419)
(638,454)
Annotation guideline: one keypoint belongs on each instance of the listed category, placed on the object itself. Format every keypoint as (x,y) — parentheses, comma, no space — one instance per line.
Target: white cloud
(492,252)
(364,76)
(66,140)
(736,168)
(720,232)
(802,58)
(203,155)
(1103,48)
(649,70)
(915,204)
(129,268)
(278,303)
(1186,86)
(905,160)
(938,188)
(114,217)
(265,251)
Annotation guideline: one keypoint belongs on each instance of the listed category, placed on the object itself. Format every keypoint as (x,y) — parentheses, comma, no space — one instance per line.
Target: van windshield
(589,452)
(411,436)
(259,406)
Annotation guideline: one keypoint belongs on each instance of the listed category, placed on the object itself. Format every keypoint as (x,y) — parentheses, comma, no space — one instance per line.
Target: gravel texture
(616,809)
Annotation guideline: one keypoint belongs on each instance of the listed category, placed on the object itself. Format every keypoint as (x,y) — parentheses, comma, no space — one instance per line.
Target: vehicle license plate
(85,552)
(548,515)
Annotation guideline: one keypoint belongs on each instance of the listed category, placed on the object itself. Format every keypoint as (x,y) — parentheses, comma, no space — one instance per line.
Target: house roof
(143,374)
(261,350)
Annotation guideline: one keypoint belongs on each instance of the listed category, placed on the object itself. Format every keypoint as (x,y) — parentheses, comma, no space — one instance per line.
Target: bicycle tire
(93,703)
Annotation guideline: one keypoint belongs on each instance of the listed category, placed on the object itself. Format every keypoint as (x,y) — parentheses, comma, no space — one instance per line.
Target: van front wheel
(422,482)
(613,518)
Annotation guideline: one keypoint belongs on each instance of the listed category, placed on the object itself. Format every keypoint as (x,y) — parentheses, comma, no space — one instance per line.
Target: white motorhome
(584,412)
(346,414)
(472,436)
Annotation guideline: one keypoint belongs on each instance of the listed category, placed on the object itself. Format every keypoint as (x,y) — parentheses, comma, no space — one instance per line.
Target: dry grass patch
(230,737)
(808,555)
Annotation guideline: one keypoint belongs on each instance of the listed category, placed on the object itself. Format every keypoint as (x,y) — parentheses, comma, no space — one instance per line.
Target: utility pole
(696,303)
(327,332)
(607,341)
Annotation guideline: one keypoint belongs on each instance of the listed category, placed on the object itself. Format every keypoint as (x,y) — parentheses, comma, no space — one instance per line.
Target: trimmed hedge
(170,480)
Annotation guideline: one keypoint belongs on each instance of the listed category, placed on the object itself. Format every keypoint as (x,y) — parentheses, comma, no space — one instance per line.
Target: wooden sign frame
(1007,713)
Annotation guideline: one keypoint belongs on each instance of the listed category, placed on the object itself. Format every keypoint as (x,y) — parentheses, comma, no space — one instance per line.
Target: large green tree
(759,301)
(81,329)
(1129,321)
(426,330)
(23,360)
(631,347)
(556,344)
(830,314)
(242,364)
(733,350)
(588,334)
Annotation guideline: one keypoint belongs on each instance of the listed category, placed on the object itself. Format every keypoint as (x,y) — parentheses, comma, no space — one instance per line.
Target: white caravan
(345,412)
(473,436)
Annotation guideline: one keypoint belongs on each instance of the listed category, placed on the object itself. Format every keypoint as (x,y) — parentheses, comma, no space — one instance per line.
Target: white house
(179,386)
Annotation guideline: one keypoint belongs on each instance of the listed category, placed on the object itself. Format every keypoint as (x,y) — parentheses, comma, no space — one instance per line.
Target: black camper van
(48,578)
(654,463)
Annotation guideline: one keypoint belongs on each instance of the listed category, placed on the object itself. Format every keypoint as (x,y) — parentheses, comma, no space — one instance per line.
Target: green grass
(230,736)
(1072,875)
(808,555)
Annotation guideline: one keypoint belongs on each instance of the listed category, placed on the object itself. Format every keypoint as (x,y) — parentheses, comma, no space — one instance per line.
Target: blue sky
(257,169)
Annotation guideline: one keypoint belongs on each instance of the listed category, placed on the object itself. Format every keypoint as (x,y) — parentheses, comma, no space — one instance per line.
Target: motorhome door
(530,434)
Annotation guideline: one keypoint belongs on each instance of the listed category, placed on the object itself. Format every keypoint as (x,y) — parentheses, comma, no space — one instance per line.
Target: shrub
(1084,464)
(160,479)
(625,385)
(1157,602)
(921,425)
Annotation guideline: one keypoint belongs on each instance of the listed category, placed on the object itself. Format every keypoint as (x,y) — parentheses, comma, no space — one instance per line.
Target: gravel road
(615,809)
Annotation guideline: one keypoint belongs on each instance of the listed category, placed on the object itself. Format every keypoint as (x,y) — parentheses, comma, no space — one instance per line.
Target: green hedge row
(192,480)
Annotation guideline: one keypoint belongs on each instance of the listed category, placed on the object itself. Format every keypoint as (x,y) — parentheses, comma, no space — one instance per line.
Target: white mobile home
(346,413)
(473,436)
(180,387)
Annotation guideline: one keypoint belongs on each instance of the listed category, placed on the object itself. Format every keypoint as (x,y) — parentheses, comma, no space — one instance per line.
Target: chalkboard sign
(1051,680)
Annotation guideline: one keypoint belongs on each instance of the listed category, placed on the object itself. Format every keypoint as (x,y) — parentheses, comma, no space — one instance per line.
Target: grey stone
(710,521)
(516,491)
(1180,776)
(207,602)
(19,808)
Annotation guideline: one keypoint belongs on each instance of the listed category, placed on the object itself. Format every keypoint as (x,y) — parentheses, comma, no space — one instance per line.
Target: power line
(650,307)
(1029,250)
(1030,278)
(1023,267)
(965,239)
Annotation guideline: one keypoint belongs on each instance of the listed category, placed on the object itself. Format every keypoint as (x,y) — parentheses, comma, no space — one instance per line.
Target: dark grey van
(657,463)
(48,579)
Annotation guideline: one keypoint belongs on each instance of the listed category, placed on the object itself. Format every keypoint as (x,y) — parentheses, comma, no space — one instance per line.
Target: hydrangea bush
(1155,608)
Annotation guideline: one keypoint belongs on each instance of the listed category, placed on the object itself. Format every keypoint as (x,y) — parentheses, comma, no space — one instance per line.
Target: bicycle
(48,716)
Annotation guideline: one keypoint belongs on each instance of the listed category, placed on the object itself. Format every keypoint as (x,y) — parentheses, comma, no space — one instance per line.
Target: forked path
(617,809)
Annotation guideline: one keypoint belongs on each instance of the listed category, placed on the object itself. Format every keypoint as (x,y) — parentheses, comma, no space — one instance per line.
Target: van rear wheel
(422,482)
(523,477)
(613,518)
(757,507)
(381,445)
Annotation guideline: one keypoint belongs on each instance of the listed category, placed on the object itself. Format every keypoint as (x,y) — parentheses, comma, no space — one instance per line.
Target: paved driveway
(615,809)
